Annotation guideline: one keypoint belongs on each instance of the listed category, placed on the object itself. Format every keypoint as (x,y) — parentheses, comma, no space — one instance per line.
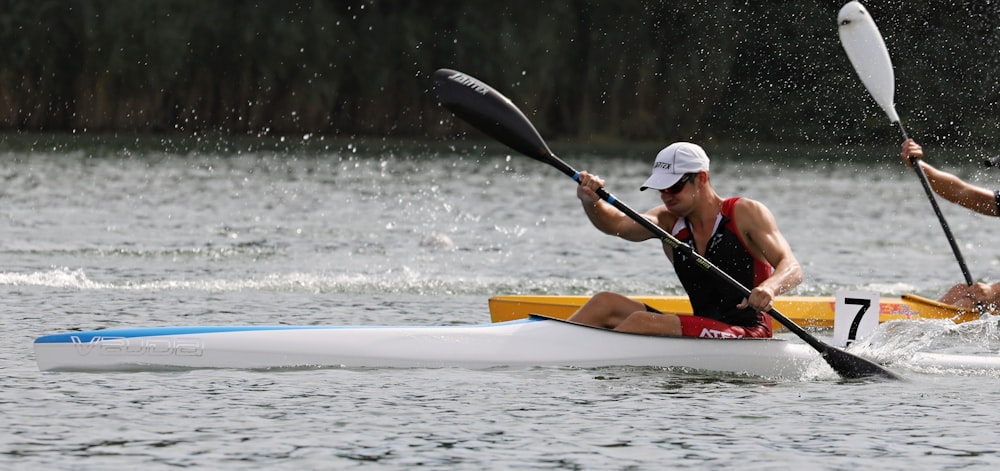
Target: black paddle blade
(490,112)
(854,367)
(845,364)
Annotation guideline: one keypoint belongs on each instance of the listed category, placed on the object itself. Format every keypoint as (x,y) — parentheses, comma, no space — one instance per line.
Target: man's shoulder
(749,213)
(664,218)
(742,202)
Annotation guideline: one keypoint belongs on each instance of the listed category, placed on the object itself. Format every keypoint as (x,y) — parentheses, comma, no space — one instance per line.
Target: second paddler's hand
(761,299)
(910,148)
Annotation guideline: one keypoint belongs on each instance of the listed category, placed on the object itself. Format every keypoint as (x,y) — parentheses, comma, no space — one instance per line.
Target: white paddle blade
(867,52)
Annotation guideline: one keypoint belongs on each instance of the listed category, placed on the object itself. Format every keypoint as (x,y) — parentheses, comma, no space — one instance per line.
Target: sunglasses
(679,186)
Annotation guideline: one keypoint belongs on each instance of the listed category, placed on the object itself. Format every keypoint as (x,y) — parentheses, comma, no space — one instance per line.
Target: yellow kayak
(806,311)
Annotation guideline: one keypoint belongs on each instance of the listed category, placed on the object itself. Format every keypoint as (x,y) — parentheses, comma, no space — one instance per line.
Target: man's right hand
(587,191)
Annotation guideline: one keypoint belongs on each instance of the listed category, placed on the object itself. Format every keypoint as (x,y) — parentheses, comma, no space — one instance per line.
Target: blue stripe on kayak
(87,336)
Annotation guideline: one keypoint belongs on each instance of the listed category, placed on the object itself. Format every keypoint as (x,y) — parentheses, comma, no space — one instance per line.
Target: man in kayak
(978,199)
(738,235)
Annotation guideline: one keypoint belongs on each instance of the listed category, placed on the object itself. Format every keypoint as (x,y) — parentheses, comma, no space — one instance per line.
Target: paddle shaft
(494,114)
(844,363)
(686,249)
(914,162)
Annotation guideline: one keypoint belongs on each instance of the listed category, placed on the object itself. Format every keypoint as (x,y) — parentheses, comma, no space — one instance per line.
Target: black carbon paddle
(494,114)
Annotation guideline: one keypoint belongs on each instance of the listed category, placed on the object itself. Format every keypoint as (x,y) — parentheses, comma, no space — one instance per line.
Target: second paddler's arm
(949,186)
(958,191)
(603,215)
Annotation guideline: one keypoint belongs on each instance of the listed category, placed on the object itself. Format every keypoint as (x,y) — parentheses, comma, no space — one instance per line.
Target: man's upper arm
(762,232)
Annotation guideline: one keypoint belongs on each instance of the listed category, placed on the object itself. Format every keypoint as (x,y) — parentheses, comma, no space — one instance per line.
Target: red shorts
(697,326)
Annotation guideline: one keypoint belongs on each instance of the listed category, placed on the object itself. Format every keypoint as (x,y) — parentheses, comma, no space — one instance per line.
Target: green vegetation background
(597,71)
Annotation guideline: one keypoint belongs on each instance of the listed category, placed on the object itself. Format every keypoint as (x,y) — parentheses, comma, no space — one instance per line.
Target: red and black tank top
(711,297)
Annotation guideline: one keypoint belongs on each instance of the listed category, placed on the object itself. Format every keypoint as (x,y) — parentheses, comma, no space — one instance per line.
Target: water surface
(123,233)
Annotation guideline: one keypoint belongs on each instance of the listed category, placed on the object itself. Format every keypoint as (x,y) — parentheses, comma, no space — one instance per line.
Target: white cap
(673,162)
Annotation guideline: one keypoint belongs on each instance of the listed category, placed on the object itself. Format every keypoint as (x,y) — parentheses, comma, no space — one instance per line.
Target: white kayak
(535,341)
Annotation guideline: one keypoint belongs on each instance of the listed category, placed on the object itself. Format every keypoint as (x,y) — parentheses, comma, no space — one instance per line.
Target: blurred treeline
(763,71)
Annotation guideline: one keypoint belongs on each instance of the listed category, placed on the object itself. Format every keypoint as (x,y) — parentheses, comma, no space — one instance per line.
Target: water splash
(937,346)
(394,281)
